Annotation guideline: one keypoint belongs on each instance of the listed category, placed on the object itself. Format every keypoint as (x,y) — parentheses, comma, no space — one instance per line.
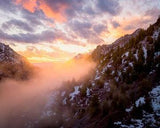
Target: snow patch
(155,35)
(145,52)
(76,91)
(119,73)
(88,92)
(63,93)
(93,83)
(138,123)
(117,123)
(140,101)
(155,95)
(64,101)
(97,77)
(136,55)
(109,65)
(131,64)
(156,54)
(126,54)
(129,109)
(113,72)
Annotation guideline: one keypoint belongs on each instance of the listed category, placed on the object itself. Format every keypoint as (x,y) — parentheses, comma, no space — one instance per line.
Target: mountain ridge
(13,65)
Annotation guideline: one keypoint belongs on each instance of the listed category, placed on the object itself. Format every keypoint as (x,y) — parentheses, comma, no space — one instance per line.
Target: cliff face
(13,65)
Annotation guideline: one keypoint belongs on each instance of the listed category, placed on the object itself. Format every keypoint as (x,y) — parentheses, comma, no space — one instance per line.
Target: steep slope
(122,91)
(102,50)
(13,65)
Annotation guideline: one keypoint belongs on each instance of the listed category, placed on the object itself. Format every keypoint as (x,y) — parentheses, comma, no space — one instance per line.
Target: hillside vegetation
(122,91)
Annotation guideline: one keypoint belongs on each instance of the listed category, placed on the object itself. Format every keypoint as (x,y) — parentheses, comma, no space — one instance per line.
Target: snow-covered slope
(13,65)
(8,55)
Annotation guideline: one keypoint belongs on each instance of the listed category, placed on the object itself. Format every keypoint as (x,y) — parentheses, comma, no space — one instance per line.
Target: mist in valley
(23,102)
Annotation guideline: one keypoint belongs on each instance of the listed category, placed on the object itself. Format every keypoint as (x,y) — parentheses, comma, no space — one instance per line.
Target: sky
(57,30)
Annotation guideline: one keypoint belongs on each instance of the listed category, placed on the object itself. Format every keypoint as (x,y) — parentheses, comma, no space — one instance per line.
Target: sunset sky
(56,30)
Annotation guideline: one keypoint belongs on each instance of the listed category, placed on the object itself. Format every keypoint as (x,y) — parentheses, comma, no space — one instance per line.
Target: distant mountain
(13,65)
(122,92)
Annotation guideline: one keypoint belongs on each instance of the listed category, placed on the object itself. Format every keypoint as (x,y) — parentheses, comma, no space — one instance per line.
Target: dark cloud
(18,24)
(82,7)
(73,7)
(35,18)
(78,14)
(56,5)
(7,6)
(115,24)
(110,6)
(99,28)
(46,36)
(89,10)
(77,25)
(83,29)
(30,20)
(87,31)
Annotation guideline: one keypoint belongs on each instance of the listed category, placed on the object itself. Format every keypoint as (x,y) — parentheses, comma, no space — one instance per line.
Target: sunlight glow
(45,59)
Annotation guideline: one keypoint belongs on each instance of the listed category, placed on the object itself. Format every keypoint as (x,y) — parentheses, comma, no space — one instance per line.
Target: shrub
(94,106)
(157,44)
(150,30)
(107,72)
(106,107)
(144,86)
(149,39)
(83,91)
(100,83)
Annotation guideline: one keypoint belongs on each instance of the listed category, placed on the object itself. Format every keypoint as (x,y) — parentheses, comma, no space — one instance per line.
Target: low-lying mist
(23,101)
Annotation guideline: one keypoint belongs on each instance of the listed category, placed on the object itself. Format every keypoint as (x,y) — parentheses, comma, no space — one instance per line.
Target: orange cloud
(31,5)
(53,14)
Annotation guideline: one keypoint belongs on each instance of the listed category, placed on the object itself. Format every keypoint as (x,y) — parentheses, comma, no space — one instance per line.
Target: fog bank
(23,101)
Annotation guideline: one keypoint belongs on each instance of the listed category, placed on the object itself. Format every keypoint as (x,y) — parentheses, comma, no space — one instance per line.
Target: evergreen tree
(94,105)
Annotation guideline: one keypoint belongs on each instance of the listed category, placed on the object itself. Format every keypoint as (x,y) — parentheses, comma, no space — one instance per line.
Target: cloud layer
(73,22)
